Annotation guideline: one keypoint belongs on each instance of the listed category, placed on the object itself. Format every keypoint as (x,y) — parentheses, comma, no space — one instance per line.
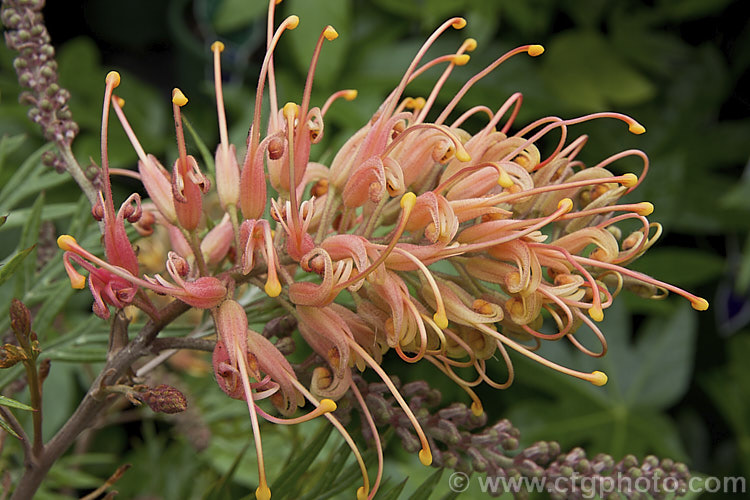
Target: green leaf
(221,490)
(11,266)
(39,183)
(585,72)
(52,211)
(425,489)
(71,477)
(81,219)
(393,493)
(402,9)
(10,374)
(529,18)
(7,428)
(22,179)
(59,398)
(12,403)
(587,13)
(624,416)
(54,302)
(83,459)
(729,388)
(289,478)
(685,10)
(665,350)
(431,11)
(738,197)
(29,237)
(232,15)
(743,275)
(450,495)
(685,267)
(8,144)
(82,74)
(330,472)
(482,19)
(653,50)
(314,17)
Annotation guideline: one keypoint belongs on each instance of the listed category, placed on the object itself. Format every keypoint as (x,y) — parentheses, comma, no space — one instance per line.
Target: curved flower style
(526,240)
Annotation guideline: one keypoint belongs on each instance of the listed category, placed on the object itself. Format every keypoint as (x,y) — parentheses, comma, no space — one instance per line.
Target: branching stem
(92,403)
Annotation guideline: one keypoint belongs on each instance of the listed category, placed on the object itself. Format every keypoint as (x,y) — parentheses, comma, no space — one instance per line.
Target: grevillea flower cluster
(444,245)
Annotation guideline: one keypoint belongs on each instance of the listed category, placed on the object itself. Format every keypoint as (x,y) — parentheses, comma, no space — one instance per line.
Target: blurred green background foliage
(679,381)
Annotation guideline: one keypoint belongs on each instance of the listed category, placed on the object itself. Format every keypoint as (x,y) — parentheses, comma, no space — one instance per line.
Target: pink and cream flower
(443,244)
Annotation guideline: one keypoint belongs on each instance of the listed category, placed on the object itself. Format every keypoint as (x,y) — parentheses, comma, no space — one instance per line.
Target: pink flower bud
(253,188)
(187,193)
(231,327)
(227,176)
(178,242)
(155,179)
(204,293)
(216,243)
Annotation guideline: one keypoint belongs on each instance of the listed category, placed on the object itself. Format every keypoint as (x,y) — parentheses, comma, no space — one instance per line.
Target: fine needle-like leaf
(12,403)
(289,478)
(29,237)
(393,493)
(7,428)
(221,490)
(25,175)
(10,267)
(425,489)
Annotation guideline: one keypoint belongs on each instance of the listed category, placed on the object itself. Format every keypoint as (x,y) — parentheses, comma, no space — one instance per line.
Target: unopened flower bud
(509,443)
(408,440)
(26,80)
(529,469)
(227,176)
(217,241)
(164,399)
(629,461)
(634,472)
(448,432)
(454,411)
(381,410)
(20,318)
(11,20)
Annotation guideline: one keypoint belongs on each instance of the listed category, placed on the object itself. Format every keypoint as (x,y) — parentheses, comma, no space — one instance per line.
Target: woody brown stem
(93,403)
(194,344)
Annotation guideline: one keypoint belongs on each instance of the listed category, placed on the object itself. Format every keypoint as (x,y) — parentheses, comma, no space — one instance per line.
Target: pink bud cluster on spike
(527,238)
